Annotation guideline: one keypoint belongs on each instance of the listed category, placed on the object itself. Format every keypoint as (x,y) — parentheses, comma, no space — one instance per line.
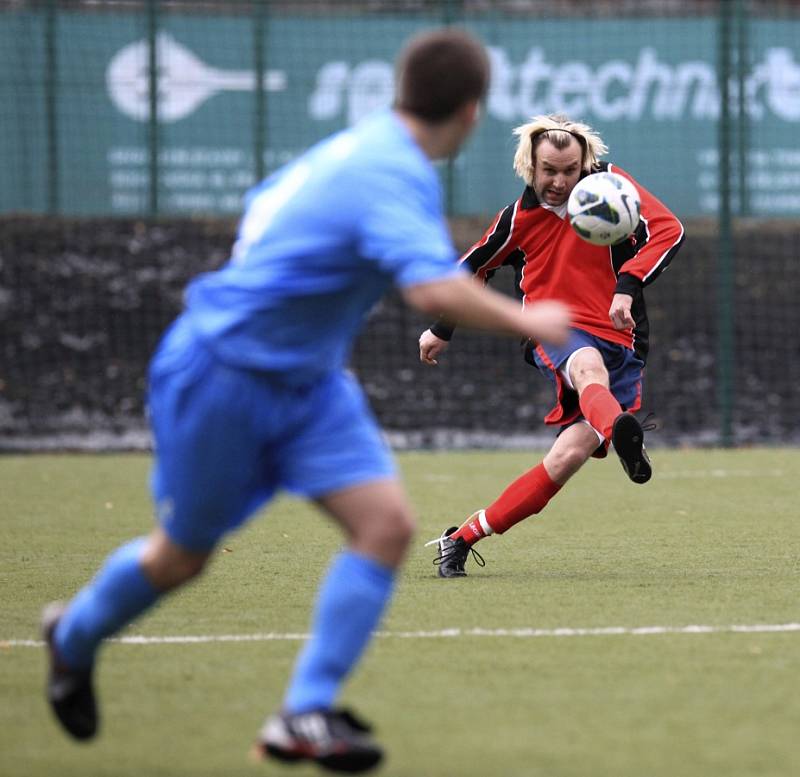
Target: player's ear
(466,117)
(471,112)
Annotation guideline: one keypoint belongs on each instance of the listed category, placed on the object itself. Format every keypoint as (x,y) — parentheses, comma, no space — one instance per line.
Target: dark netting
(82,304)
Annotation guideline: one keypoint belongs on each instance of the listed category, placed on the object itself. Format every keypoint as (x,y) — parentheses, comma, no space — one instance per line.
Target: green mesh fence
(131,130)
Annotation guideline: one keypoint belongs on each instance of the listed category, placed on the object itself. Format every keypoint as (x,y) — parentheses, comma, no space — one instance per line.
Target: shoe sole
(348,763)
(262,750)
(628,440)
(351,763)
(450,575)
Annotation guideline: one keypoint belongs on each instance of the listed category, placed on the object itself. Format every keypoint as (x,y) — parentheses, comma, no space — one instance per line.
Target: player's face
(556,171)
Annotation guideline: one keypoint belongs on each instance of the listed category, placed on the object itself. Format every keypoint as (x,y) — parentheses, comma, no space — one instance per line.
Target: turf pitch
(516,674)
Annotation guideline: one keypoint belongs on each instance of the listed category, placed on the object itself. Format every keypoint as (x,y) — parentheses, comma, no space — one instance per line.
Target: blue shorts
(624,374)
(227,439)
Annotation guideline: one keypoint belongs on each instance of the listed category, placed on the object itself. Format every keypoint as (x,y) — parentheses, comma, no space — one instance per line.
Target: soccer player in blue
(248,393)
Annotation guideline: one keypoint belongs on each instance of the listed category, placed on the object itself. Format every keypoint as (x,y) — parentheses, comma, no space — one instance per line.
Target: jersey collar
(530,201)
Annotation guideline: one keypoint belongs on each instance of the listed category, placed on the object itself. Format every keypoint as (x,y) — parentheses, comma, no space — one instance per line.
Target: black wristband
(443,329)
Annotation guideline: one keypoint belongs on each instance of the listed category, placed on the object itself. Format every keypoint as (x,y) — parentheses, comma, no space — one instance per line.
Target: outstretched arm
(464,299)
(482,259)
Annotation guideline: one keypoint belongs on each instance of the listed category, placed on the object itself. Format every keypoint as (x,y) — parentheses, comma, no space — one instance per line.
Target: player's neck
(436,141)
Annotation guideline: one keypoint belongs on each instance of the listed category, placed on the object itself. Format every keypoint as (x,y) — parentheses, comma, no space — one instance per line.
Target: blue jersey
(319,243)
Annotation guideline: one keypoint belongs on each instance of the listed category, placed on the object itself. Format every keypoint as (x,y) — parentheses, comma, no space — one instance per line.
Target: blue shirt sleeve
(403,229)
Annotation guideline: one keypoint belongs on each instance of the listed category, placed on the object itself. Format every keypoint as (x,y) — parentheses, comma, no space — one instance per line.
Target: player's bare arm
(460,298)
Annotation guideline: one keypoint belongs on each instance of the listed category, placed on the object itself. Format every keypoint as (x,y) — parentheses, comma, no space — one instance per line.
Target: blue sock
(350,603)
(118,593)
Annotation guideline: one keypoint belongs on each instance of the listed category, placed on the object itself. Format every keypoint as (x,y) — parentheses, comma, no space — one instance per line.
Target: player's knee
(193,565)
(588,368)
(386,537)
(167,565)
(393,530)
(590,375)
(398,528)
(166,576)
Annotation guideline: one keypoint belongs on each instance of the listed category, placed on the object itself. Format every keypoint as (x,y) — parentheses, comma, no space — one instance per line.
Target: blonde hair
(558,130)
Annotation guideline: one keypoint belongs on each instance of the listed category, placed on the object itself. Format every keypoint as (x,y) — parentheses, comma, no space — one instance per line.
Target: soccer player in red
(598,373)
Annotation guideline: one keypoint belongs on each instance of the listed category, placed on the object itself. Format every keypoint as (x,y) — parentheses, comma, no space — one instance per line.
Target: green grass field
(713,540)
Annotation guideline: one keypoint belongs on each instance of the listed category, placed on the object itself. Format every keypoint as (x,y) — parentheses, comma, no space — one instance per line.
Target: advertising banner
(650,88)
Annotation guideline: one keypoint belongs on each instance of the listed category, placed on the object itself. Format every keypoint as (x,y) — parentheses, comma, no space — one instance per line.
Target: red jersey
(552,262)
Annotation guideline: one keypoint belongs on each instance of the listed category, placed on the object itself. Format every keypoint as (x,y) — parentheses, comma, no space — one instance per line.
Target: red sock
(474,528)
(527,495)
(599,408)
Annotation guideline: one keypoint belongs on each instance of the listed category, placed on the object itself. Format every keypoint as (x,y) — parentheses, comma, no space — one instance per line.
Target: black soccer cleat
(335,739)
(453,554)
(627,437)
(69,692)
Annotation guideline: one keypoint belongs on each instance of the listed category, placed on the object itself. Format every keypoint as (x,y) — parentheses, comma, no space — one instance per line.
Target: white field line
(720,473)
(695,474)
(527,633)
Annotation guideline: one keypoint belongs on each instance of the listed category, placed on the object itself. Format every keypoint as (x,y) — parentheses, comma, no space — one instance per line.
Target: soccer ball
(603,208)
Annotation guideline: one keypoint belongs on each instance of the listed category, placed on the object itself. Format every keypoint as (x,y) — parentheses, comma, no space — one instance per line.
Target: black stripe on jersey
(641,326)
(516,259)
(529,199)
(641,329)
(481,255)
(627,249)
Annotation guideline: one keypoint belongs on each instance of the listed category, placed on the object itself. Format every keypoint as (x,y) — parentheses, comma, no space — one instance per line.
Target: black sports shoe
(69,692)
(453,554)
(627,436)
(335,739)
